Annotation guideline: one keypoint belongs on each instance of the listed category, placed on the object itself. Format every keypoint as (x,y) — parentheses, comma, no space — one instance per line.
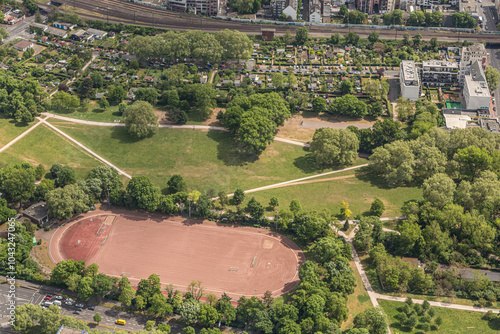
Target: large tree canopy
(222,45)
(140,119)
(331,147)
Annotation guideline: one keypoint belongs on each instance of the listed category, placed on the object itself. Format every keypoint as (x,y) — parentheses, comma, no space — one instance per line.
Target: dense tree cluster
(425,19)
(222,45)
(462,154)
(463,20)
(245,6)
(334,147)
(421,316)
(254,119)
(20,98)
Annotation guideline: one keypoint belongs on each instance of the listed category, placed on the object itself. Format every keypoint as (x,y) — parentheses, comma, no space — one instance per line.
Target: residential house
(23,45)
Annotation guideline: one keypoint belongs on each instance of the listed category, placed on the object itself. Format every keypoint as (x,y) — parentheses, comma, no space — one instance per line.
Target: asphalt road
(35,296)
(19,30)
(495,62)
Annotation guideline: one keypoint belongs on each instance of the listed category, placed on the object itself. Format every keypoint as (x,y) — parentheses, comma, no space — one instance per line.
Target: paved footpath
(121,172)
(165,126)
(20,136)
(374,296)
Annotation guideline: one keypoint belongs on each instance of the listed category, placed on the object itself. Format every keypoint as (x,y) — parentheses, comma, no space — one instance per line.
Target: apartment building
(476,92)
(471,54)
(205,7)
(439,73)
(409,80)
(288,7)
(376,6)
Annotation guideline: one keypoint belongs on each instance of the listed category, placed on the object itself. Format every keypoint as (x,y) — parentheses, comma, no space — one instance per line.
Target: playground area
(225,258)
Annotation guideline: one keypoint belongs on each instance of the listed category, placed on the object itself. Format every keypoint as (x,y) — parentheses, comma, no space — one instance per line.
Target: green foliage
(334,147)
(301,35)
(254,119)
(319,104)
(492,77)
(372,319)
(222,45)
(377,207)
(463,20)
(255,209)
(176,184)
(63,203)
(347,105)
(143,193)
(64,102)
(140,120)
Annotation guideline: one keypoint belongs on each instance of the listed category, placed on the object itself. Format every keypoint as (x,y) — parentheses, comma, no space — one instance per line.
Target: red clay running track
(232,259)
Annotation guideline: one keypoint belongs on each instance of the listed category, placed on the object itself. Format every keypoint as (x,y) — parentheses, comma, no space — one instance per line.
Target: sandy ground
(301,127)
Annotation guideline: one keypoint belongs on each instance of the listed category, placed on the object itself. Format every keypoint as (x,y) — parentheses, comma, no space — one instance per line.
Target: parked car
(59,297)
(47,298)
(79,305)
(91,307)
(76,312)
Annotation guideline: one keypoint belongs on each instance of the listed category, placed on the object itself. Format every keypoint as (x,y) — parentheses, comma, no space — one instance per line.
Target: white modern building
(409,80)
(471,54)
(476,92)
(291,12)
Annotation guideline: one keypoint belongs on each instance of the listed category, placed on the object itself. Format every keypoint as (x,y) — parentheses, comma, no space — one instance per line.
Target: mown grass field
(206,159)
(10,129)
(357,302)
(358,191)
(95,113)
(454,321)
(43,146)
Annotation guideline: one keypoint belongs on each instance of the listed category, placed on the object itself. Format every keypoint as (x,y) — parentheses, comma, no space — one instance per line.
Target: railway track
(116,11)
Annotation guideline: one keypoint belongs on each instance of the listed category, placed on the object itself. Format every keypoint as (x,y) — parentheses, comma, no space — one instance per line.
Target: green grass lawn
(95,113)
(10,129)
(357,302)
(205,159)
(454,321)
(43,146)
(359,192)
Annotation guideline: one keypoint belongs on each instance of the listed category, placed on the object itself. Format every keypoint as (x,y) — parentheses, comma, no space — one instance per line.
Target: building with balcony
(439,73)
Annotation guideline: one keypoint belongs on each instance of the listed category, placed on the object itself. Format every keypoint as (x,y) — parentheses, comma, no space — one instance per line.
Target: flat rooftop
(477,88)
(440,63)
(409,70)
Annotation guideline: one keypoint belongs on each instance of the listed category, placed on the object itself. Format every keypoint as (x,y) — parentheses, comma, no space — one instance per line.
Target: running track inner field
(232,259)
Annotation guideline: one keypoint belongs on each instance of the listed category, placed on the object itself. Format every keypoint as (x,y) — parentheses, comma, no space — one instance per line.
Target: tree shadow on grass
(374,180)
(307,164)
(120,133)
(18,124)
(229,151)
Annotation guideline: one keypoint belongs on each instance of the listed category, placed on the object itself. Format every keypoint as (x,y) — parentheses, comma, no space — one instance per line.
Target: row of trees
(222,45)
